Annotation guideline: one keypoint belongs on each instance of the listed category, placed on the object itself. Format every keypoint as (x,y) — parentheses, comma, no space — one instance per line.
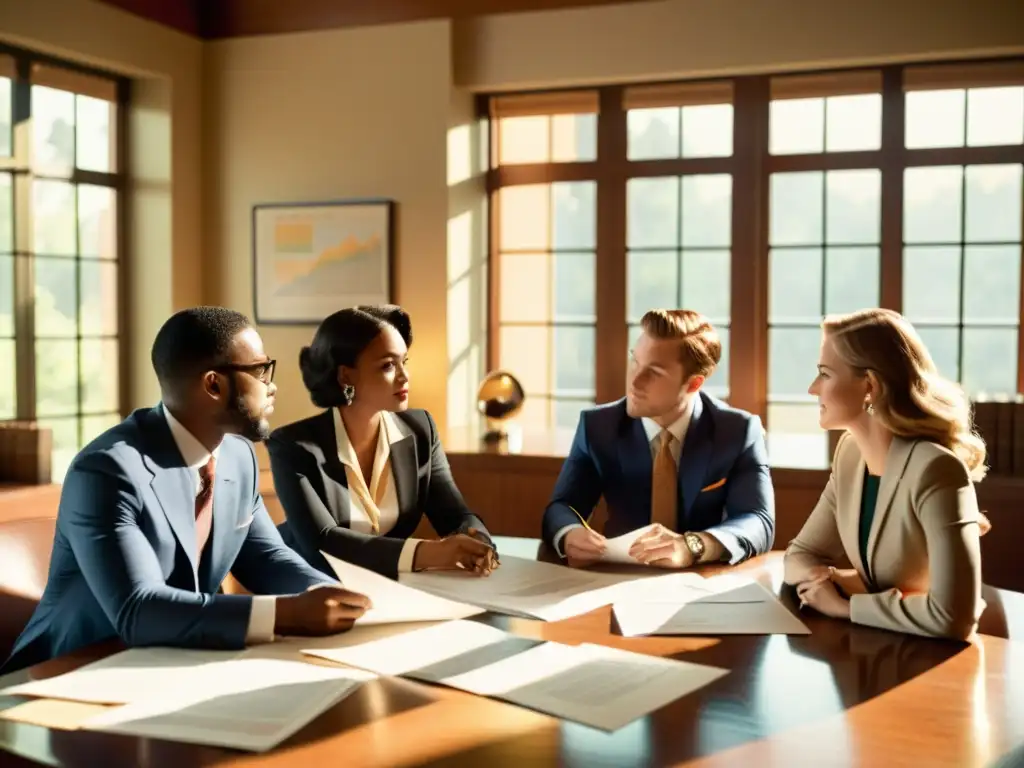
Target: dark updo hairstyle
(338,341)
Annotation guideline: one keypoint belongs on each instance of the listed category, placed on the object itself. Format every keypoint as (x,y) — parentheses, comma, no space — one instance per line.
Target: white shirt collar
(677,428)
(391,432)
(192,451)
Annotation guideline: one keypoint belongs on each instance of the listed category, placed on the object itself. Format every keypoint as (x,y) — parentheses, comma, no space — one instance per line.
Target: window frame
(19,166)
(752,166)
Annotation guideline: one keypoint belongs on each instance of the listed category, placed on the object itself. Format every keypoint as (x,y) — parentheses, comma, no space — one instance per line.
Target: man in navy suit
(669,455)
(156,511)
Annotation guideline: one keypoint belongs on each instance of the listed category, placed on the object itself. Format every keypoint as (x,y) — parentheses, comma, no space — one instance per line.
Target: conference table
(844,695)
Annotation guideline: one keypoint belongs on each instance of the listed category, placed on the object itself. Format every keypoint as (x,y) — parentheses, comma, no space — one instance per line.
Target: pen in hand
(582,519)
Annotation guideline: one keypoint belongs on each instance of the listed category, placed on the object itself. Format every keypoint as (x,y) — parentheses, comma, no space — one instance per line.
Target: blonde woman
(900,503)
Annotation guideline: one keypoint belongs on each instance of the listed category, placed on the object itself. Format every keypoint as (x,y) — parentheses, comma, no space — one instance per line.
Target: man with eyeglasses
(156,511)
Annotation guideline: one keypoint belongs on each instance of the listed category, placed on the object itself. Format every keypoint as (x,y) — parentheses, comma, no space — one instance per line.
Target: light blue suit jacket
(124,563)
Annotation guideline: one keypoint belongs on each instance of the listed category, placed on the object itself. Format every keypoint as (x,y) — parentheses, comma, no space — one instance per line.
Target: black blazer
(312,485)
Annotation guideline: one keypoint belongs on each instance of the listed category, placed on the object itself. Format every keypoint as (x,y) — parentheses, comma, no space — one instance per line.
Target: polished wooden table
(842,696)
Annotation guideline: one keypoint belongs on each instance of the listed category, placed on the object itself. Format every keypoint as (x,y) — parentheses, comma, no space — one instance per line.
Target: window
(545,252)
(61,181)
(824,235)
(962,221)
(679,226)
(766,203)
(8,374)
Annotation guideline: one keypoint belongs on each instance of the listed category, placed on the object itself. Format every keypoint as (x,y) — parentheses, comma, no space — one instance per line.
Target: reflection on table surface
(843,695)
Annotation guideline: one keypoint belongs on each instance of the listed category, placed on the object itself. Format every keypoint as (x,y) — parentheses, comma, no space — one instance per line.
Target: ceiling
(213,19)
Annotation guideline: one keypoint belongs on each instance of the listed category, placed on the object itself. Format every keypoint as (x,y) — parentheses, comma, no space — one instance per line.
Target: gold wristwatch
(695,544)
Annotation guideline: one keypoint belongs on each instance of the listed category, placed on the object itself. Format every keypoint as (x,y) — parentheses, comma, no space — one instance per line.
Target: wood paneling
(214,19)
(182,15)
(22,502)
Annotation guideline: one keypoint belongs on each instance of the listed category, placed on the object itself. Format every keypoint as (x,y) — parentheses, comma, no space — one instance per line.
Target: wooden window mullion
(610,260)
(748,368)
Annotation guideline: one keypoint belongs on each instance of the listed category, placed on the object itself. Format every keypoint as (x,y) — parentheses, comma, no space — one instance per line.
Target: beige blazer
(923,569)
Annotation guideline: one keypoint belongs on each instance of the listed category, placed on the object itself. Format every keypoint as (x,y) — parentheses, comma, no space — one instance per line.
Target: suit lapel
(404,472)
(695,455)
(333,468)
(172,484)
(851,535)
(892,476)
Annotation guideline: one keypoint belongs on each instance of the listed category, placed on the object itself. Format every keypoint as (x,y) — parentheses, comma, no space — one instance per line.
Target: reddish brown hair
(700,349)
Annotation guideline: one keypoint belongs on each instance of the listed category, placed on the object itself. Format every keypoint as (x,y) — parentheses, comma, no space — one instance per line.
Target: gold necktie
(664,490)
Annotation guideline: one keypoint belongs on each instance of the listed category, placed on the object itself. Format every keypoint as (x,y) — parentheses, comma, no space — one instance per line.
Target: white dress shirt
(678,429)
(381,491)
(264,607)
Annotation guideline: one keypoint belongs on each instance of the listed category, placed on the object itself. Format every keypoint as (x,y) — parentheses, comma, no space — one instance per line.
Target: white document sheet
(251,704)
(617,550)
(721,605)
(394,602)
(590,684)
(419,649)
(602,687)
(523,587)
(128,676)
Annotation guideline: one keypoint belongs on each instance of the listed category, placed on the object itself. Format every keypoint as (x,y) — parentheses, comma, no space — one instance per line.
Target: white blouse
(379,501)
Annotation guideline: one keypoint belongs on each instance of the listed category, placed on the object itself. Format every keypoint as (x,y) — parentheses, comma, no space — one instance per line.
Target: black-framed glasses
(263,371)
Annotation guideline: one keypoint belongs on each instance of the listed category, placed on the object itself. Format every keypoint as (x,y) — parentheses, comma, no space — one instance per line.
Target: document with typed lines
(594,685)
(721,605)
(253,704)
(395,603)
(129,676)
(523,587)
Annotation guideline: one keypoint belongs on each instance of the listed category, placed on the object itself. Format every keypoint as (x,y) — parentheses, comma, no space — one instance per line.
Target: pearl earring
(869,407)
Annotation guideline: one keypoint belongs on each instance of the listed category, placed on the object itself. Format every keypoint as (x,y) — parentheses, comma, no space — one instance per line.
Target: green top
(869,498)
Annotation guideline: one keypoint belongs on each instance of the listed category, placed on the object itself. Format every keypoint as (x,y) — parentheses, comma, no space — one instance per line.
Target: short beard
(242,421)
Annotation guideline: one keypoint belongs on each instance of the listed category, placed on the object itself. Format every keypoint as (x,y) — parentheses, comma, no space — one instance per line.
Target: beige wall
(700,38)
(165,200)
(467,260)
(325,116)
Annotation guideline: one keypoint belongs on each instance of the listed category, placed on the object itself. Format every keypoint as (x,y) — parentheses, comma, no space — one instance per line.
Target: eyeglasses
(263,371)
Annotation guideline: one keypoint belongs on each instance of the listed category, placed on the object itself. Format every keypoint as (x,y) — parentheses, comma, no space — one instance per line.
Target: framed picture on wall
(312,259)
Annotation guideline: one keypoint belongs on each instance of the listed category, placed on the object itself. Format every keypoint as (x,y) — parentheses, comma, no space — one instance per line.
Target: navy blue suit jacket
(724,481)
(124,564)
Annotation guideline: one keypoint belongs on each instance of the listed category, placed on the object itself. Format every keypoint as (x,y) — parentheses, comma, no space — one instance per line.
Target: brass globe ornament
(500,399)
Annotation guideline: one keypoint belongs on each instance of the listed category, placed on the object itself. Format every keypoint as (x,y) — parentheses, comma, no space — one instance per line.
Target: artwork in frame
(312,259)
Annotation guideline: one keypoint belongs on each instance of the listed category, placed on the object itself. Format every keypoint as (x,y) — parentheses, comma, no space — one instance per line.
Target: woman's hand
(848,581)
(822,596)
(457,552)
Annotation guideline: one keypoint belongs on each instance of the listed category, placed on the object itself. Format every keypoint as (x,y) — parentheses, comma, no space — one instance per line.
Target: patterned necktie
(204,505)
(664,489)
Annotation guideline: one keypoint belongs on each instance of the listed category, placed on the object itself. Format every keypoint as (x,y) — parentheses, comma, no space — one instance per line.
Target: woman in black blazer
(356,479)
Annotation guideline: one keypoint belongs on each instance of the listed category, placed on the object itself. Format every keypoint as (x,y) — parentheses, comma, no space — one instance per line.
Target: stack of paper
(254,705)
(721,605)
(129,676)
(225,699)
(522,587)
(395,603)
(591,684)
(617,550)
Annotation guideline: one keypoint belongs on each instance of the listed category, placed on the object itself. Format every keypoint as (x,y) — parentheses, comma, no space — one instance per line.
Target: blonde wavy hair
(913,400)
